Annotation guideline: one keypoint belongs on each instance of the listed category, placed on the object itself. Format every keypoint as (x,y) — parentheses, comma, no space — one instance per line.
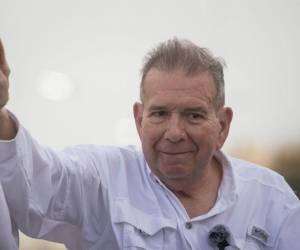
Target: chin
(174,172)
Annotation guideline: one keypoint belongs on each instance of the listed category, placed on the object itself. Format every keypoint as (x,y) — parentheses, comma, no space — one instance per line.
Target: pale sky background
(98,48)
(91,53)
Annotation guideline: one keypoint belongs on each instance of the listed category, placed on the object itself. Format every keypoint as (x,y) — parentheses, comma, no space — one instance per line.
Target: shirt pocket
(138,229)
(258,238)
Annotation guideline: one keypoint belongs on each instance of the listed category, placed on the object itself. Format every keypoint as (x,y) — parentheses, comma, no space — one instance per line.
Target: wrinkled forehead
(177,82)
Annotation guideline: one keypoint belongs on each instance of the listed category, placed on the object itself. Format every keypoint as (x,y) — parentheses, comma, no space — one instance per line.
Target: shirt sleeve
(8,234)
(290,231)
(50,191)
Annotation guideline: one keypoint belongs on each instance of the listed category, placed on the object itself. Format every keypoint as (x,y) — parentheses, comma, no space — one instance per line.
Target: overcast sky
(92,53)
(75,64)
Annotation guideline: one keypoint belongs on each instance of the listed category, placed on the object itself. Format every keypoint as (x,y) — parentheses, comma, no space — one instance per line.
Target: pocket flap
(260,234)
(147,223)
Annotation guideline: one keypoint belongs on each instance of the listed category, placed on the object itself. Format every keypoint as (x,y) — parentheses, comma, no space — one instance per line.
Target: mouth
(174,153)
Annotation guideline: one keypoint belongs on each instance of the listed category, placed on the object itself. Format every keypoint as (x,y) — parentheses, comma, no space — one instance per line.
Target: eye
(195,117)
(159,113)
(158,116)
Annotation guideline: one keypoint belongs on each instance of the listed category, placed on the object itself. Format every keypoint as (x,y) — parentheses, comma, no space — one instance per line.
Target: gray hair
(192,59)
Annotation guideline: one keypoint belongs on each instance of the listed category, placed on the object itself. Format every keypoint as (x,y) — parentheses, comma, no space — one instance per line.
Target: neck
(199,194)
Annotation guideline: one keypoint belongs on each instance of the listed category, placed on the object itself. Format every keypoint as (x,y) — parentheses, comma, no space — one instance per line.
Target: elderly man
(180,192)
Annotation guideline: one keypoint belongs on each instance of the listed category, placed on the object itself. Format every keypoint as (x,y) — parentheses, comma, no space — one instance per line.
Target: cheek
(151,132)
(149,139)
(151,136)
(204,136)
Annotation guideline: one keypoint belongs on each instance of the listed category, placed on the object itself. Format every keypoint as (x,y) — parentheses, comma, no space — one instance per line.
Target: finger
(4,84)
(3,63)
(2,54)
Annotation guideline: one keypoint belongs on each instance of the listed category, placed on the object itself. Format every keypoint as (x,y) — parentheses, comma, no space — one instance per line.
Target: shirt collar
(227,194)
(228,188)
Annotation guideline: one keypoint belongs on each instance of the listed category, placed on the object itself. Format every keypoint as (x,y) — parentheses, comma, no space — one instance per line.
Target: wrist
(8,128)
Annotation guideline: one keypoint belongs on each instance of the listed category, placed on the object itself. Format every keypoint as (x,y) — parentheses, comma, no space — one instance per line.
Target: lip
(174,153)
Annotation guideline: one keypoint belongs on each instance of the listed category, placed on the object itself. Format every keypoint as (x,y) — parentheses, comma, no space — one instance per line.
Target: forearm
(8,128)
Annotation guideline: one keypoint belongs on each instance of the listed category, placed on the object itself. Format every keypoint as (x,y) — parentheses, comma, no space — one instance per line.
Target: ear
(138,109)
(225,115)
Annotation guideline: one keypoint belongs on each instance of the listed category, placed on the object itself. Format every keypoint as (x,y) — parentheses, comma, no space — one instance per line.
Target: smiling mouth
(175,153)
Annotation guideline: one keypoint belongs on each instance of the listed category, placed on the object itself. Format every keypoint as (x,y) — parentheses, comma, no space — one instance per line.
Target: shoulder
(265,183)
(265,196)
(250,172)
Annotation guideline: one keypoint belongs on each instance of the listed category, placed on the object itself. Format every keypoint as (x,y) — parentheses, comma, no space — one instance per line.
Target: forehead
(175,86)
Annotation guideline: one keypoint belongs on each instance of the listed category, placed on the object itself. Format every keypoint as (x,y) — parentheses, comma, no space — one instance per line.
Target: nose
(175,131)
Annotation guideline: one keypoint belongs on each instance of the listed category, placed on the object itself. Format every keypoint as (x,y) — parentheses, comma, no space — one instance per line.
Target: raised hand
(7,125)
(4,74)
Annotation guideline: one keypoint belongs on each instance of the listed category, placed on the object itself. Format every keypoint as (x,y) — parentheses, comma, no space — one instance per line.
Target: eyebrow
(196,109)
(191,109)
(157,107)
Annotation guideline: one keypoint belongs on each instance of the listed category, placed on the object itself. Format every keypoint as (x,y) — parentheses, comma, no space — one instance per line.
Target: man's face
(178,125)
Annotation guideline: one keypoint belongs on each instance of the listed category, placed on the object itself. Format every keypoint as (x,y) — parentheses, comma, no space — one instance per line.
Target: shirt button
(188,225)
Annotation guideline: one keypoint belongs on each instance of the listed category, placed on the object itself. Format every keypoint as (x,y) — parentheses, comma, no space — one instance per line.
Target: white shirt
(8,231)
(101,197)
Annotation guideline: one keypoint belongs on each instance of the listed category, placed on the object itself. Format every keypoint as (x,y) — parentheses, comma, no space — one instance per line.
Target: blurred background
(75,70)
